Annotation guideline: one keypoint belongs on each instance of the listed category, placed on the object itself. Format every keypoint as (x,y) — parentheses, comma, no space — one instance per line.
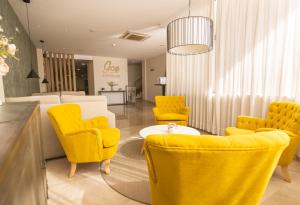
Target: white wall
(153,69)
(40,64)
(101,80)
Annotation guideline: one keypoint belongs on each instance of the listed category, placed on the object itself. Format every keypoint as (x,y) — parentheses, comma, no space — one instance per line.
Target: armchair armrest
(83,145)
(289,133)
(97,122)
(250,123)
(155,111)
(185,111)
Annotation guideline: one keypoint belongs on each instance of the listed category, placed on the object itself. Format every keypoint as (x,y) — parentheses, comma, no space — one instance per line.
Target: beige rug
(129,174)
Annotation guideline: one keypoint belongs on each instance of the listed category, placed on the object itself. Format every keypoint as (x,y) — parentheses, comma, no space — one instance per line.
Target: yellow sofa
(171,109)
(212,170)
(284,116)
(84,141)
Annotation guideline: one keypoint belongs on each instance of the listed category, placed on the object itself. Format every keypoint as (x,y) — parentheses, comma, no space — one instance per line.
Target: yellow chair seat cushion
(237,131)
(171,116)
(110,137)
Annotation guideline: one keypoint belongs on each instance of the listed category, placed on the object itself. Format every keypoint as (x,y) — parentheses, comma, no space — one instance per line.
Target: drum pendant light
(190,35)
(32,73)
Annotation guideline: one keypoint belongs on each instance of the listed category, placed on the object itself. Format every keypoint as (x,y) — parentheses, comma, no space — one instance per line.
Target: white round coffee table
(163,129)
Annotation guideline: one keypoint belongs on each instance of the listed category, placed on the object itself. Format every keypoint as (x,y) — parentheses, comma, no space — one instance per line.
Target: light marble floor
(87,187)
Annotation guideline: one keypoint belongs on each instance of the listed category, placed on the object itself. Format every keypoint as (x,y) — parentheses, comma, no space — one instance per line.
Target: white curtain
(256,60)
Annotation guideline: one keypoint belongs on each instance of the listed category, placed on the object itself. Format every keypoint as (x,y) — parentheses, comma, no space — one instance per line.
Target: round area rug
(129,174)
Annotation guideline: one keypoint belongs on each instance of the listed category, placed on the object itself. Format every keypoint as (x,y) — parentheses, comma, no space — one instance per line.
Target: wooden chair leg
(285,174)
(106,166)
(72,169)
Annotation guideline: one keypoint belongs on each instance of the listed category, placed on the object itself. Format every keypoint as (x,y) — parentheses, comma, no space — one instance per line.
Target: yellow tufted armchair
(171,109)
(282,116)
(84,141)
(212,170)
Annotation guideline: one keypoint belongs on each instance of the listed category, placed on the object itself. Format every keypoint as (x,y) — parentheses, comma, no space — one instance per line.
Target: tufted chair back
(284,116)
(170,104)
(66,118)
(185,169)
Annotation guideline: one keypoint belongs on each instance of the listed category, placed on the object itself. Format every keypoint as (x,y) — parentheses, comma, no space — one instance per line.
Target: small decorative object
(112,84)
(102,88)
(190,35)
(171,128)
(163,80)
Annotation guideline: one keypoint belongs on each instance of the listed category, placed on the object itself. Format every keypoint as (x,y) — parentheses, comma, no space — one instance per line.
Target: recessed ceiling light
(114,45)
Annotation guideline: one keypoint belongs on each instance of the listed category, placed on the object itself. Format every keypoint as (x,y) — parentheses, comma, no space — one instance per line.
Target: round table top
(163,129)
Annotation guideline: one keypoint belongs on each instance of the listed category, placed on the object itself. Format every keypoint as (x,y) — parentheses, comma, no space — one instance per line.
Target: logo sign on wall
(111,70)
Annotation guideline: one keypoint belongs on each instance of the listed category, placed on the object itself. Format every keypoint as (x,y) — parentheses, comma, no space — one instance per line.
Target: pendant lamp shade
(32,74)
(190,35)
(45,81)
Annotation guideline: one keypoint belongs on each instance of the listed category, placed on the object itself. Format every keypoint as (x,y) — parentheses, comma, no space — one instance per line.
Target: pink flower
(4,68)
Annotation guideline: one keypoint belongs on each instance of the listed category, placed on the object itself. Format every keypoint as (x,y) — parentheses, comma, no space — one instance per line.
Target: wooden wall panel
(61,79)
(73,73)
(56,73)
(70,73)
(60,72)
(51,67)
(65,72)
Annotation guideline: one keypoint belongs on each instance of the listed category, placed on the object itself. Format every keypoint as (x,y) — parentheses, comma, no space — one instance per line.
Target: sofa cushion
(237,131)
(171,116)
(110,137)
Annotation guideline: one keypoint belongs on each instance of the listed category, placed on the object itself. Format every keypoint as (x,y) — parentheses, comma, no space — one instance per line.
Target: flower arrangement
(7,49)
(112,84)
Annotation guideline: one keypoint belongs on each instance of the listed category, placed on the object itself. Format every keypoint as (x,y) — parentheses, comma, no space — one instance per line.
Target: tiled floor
(88,188)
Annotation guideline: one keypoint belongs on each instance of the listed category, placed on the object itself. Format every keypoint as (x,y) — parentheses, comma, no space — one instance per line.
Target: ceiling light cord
(29,34)
(189,7)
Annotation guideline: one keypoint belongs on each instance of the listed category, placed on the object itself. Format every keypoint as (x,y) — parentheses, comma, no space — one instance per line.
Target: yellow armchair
(212,170)
(84,141)
(283,116)
(171,109)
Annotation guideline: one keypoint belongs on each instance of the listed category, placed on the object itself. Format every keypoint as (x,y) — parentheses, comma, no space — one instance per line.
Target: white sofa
(91,106)
(60,93)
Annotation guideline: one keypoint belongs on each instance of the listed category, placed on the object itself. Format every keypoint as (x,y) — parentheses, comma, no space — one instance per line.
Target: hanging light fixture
(190,35)
(32,73)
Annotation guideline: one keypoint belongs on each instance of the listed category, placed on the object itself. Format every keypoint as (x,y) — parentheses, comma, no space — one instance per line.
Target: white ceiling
(66,25)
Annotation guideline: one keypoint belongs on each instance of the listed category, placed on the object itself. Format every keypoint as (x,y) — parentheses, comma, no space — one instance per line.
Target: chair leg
(72,169)
(285,174)
(106,166)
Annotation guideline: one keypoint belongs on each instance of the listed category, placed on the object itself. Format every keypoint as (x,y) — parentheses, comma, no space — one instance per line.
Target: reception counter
(114,97)
(22,169)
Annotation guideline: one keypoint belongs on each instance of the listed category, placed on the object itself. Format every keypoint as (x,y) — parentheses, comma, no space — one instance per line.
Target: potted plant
(7,49)
(112,84)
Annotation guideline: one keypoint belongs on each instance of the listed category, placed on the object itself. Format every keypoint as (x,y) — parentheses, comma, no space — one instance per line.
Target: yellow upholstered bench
(284,116)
